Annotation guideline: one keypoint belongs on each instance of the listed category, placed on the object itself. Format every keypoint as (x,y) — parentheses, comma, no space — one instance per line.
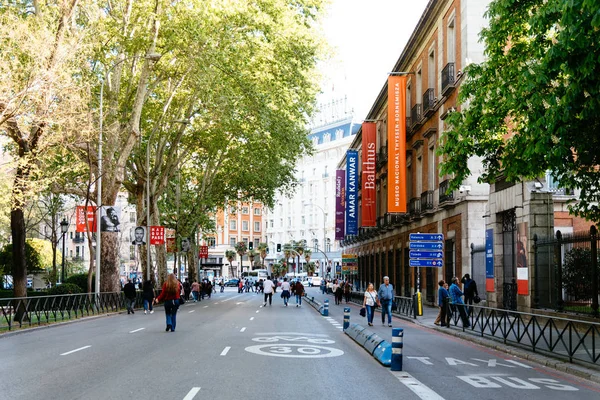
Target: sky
(367,38)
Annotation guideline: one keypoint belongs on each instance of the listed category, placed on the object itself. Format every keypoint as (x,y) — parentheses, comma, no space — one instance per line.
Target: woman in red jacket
(170,295)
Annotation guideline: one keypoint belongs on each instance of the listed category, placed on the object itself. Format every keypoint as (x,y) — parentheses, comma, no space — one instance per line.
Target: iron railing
(445,197)
(563,338)
(448,78)
(414,207)
(40,310)
(427,201)
(415,116)
(402,305)
(428,101)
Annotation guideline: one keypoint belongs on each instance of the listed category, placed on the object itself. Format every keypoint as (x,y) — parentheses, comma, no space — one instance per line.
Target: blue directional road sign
(438,237)
(426,263)
(425,254)
(426,245)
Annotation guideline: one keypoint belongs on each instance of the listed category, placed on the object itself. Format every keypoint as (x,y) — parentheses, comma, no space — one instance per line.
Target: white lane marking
(73,351)
(417,387)
(205,307)
(231,298)
(225,350)
(519,364)
(290,333)
(251,318)
(239,302)
(243,329)
(257,311)
(191,311)
(137,330)
(192,393)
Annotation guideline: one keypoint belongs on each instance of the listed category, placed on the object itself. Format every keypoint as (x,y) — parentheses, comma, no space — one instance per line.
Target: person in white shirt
(268,286)
(285,291)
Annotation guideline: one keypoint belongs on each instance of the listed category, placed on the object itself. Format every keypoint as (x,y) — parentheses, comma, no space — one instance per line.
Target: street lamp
(64,227)
(324,229)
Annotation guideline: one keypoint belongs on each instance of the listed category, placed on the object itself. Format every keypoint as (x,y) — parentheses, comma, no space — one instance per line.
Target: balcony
(428,102)
(448,79)
(382,157)
(78,239)
(414,207)
(427,201)
(445,198)
(409,131)
(415,116)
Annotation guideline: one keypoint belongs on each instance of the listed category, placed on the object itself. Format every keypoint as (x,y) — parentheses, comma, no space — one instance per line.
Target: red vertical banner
(396,183)
(171,245)
(369,168)
(157,235)
(82,216)
(203,252)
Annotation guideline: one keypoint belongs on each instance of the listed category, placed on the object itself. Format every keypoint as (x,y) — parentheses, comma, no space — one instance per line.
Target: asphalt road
(230,347)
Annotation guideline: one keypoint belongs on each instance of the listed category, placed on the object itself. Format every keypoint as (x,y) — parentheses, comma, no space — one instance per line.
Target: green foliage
(311,268)
(65,288)
(80,280)
(38,256)
(241,248)
(279,269)
(533,104)
(577,273)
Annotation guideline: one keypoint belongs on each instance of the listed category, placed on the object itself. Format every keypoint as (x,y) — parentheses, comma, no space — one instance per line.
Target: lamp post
(324,231)
(64,227)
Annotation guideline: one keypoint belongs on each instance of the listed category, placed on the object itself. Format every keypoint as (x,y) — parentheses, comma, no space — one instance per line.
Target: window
(245,210)
(245,226)
(256,226)
(70,235)
(132,252)
(408,99)
(451,41)
(327,137)
(211,242)
(339,134)
(419,177)
(328,245)
(419,84)
(303,220)
(289,221)
(232,225)
(256,211)
(316,244)
(245,240)
(272,223)
(232,241)
(132,217)
(256,243)
(76,251)
(232,210)
(281,222)
(431,168)
(431,70)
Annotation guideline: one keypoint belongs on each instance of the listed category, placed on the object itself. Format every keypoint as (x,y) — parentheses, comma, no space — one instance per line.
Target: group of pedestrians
(288,289)
(450,299)
(198,290)
(384,298)
(340,289)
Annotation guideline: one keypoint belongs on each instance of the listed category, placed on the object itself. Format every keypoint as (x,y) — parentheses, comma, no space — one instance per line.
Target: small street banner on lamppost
(157,235)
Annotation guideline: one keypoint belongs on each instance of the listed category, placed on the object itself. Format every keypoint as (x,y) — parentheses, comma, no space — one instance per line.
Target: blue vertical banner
(352,192)
(489,260)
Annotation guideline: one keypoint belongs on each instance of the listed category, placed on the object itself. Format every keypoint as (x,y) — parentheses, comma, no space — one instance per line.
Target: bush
(577,273)
(65,288)
(79,280)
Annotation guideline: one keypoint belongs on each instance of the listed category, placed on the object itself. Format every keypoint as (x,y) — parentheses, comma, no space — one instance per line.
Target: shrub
(79,280)
(577,273)
(65,288)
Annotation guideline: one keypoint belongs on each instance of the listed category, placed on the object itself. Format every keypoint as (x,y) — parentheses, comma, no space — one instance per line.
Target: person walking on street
(299,291)
(148,296)
(443,294)
(268,290)
(456,298)
(470,287)
(369,302)
(222,284)
(170,294)
(187,289)
(129,292)
(339,293)
(195,290)
(285,291)
(386,296)
(347,291)
(323,286)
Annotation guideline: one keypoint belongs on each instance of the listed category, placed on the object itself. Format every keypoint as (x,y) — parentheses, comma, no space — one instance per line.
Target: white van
(315,281)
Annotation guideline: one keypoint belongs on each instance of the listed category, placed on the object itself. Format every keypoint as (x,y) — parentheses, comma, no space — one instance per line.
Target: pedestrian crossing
(334,322)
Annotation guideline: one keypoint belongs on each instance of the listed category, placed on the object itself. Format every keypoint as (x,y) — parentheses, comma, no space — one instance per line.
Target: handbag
(476,299)
(363,312)
(181,301)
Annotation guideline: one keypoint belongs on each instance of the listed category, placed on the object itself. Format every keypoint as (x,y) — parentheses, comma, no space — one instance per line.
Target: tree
(241,248)
(230,256)
(262,251)
(577,273)
(279,268)
(533,104)
(310,268)
(38,255)
(251,256)
(299,248)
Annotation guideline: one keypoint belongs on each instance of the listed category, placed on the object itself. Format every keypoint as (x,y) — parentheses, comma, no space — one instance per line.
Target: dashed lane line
(73,351)
(205,307)
(231,298)
(257,311)
(191,311)
(418,388)
(137,330)
(252,319)
(243,329)
(192,393)
(225,350)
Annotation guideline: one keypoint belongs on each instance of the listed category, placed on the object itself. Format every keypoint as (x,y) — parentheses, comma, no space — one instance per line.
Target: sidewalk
(427,321)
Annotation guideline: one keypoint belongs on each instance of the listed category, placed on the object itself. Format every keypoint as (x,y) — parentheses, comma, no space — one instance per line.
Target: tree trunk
(109,267)
(19,271)
(54,244)
(161,263)
(192,264)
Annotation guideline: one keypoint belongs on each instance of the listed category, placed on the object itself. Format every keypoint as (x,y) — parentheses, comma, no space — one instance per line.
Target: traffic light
(250,245)
(279,247)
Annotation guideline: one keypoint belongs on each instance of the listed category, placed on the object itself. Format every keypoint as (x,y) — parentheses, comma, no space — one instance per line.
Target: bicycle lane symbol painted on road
(304,347)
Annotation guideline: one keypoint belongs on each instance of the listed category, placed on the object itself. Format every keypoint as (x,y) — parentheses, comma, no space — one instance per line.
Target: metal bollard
(326,308)
(346,318)
(397,344)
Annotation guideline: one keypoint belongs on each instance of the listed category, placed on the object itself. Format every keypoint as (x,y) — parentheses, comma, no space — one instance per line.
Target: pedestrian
(386,297)
(209,288)
(129,292)
(339,292)
(456,298)
(443,295)
(470,287)
(148,296)
(370,301)
(323,286)
(170,294)
(268,287)
(241,286)
(187,289)
(334,288)
(195,290)
(299,291)
(222,285)
(285,291)
(347,291)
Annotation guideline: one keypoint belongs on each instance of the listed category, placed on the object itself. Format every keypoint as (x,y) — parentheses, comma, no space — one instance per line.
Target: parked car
(316,280)
(232,282)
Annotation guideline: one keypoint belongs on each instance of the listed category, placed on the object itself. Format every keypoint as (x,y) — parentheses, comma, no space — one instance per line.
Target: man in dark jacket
(299,292)
(129,292)
(470,289)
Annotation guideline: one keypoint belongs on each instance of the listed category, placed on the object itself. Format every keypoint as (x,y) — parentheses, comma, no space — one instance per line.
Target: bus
(255,275)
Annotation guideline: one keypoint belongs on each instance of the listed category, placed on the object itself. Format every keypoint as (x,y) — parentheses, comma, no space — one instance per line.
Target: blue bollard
(326,308)
(397,345)
(346,318)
